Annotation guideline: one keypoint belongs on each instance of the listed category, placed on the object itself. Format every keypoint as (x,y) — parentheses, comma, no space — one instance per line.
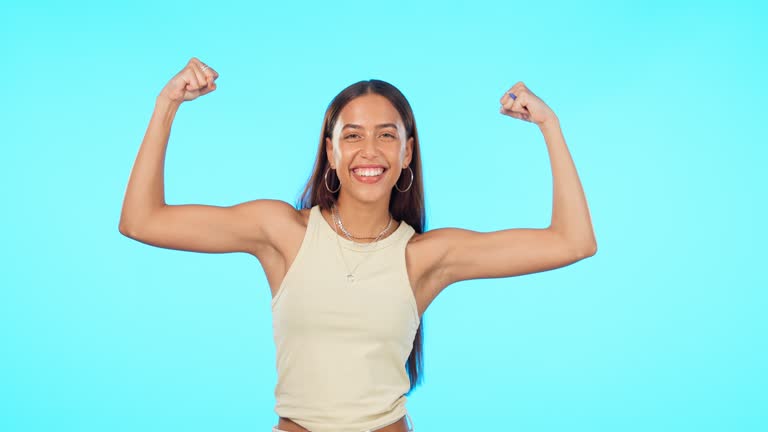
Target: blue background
(663,108)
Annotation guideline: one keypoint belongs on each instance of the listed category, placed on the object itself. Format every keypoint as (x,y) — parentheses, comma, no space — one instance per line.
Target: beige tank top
(342,345)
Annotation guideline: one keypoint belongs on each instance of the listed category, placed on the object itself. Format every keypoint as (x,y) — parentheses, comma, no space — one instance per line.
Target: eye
(389,135)
(352,135)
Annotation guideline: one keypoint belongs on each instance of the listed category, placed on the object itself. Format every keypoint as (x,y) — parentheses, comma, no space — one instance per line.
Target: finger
(208,72)
(211,76)
(519,116)
(509,94)
(209,88)
(198,71)
(191,78)
(520,104)
(207,75)
(518,89)
(507,105)
(512,102)
(511,113)
(197,67)
(508,98)
(517,105)
(212,73)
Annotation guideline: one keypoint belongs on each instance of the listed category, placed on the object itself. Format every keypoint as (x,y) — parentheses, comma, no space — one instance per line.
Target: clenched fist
(196,79)
(521,103)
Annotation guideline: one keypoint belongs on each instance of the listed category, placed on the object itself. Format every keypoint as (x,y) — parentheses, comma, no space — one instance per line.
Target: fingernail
(512,95)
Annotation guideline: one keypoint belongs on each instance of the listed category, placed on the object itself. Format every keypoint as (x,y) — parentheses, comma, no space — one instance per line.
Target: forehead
(369,110)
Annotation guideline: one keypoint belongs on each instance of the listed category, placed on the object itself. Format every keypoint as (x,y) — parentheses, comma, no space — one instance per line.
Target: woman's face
(369,148)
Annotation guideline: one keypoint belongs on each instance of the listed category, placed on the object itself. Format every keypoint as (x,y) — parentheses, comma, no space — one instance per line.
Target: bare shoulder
(430,247)
(269,207)
(277,220)
(430,243)
(272,211)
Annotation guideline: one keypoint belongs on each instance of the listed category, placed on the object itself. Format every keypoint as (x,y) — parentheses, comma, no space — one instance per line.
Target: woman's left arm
(464,254)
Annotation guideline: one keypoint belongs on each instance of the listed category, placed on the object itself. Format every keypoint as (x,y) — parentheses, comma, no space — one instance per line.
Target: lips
(368,173)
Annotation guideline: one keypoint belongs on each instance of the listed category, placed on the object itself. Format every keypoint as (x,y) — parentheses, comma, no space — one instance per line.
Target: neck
(363,219)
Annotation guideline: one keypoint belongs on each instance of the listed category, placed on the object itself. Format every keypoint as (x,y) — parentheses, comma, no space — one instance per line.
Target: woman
(351,270)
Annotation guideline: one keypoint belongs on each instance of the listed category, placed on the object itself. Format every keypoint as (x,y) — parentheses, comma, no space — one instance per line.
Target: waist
(288,425)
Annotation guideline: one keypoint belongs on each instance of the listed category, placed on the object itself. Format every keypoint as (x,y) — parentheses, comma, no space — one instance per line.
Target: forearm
(146,187)
(570,213)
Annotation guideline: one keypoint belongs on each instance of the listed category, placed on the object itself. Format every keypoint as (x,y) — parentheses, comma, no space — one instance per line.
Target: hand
(196,79)
(527,106)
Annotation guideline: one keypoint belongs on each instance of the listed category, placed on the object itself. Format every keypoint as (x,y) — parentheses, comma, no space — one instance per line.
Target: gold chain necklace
(337,221)
(351,273)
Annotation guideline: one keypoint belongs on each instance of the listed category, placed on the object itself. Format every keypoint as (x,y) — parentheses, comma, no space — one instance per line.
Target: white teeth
(368,172)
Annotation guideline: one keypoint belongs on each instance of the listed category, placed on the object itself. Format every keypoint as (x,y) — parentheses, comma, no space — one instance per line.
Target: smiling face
(369,148)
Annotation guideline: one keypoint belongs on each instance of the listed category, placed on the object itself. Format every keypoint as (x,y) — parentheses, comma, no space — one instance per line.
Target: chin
(371,195)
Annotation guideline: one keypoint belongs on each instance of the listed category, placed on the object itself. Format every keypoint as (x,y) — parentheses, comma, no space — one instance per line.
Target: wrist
(551,123)
(165,102)
(165,109)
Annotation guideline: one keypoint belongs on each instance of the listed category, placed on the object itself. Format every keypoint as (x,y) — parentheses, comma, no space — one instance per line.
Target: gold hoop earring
(325,177)
(409,185)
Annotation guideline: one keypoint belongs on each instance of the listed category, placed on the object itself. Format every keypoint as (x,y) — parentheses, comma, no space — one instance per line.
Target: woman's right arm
(146,217)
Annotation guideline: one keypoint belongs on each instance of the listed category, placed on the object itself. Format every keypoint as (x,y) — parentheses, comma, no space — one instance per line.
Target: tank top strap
(315,218)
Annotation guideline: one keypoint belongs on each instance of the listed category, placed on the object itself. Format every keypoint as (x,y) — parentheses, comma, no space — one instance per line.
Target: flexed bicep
(511,252)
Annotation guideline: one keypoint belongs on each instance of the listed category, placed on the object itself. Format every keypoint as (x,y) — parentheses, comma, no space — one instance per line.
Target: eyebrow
(380,126)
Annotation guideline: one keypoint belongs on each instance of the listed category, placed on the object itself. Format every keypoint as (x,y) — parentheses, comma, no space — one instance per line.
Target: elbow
(127,228)
(587,251)
(588,246)
(123,224)
(581,247)
(124,229)
(581,250)
(129,221)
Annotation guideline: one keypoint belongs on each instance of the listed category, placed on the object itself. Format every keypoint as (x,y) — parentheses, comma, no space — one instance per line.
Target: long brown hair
(405,206)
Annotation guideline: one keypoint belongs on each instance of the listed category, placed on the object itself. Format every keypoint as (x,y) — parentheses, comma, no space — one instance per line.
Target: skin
(362,136)
(272,230)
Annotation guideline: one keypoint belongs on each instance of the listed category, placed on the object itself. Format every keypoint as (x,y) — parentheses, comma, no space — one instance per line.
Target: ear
(329,152)
(408,152)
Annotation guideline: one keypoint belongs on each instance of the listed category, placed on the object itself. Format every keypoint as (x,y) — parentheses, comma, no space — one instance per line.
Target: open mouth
(368,174)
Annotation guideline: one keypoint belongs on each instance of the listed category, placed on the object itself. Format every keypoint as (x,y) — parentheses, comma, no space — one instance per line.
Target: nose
(369,147)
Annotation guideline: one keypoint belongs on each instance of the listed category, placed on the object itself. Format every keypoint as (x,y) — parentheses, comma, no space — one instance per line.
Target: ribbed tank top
(341,346)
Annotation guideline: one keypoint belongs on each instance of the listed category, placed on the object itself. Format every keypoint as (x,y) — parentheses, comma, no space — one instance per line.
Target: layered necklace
(337,224)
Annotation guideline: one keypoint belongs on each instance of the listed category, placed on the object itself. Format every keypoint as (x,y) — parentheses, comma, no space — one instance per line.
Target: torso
(419,259)
(419,262)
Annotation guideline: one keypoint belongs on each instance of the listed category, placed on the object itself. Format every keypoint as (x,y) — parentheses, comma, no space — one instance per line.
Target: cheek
(393,151)
(342,151)
(399,151)
(337,152)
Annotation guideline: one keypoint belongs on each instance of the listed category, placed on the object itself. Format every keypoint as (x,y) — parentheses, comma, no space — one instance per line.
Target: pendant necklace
(336,225)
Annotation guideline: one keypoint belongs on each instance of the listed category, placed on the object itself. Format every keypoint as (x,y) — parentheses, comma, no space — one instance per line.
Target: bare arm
(466,254)
(145,193)
(570,214)
(146,217)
